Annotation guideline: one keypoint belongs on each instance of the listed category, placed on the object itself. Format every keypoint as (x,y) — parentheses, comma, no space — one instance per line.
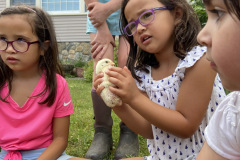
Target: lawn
(81,128)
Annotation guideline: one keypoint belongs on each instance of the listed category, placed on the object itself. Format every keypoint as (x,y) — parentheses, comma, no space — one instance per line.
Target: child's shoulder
(198,50)
(61,81)
(59,77)
(229,110)
(195,52)
(230,105)
(233,99)
(192,57)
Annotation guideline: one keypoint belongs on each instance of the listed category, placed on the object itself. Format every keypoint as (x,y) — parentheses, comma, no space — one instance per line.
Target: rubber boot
(102,142)
(128,145)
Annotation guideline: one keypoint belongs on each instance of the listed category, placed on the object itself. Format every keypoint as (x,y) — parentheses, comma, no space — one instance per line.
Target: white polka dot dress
(166,146)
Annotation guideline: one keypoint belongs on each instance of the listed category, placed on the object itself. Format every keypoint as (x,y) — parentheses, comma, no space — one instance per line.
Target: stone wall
(71,52)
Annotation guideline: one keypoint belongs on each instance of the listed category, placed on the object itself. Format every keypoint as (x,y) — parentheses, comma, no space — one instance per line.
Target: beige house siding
(2,5)
(71,28)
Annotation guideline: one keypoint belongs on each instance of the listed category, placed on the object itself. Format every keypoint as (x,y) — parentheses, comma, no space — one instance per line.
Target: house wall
(72,39)
(2,4)
(71,28)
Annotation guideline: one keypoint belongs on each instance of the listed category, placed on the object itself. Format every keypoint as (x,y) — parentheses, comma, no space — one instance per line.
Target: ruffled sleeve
(192,57)
(222,133)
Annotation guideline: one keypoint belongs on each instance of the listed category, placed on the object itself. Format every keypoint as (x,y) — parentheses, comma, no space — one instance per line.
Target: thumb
(126,69)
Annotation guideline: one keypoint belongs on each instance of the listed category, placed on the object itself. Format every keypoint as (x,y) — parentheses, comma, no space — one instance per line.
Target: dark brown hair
(233,6)
(185,34)
(43,27)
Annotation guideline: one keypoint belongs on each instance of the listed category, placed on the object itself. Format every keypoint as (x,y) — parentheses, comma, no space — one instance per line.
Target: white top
(223,131)
(166,146)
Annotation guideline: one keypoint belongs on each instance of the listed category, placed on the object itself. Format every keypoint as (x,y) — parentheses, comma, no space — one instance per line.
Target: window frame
(82,10)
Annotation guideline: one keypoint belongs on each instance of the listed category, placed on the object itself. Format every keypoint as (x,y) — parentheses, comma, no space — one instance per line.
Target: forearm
(134,120)
(111,6)
(166,119)
(114,5)
(54,150)
(89,1)
(103,28)
(60,139)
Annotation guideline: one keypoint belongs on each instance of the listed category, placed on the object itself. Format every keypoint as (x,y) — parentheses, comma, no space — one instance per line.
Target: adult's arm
(103,39)
(99,12)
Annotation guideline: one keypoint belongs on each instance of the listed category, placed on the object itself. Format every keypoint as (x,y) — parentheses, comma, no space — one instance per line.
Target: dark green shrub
(200,10)
(88,71)
(79,64)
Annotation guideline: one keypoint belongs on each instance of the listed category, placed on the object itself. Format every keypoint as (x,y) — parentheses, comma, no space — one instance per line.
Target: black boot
(128,145)
(101,144)
(102,141)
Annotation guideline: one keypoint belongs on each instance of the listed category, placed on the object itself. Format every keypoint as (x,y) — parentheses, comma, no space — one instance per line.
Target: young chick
(110,99)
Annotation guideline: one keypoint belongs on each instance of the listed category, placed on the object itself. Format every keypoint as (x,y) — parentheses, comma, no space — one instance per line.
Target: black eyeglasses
(18,45)
(144,19)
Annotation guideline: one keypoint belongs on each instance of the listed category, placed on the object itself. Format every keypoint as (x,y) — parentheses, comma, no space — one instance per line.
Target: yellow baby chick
(110,99)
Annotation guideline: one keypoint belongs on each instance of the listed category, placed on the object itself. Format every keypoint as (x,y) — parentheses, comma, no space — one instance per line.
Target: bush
(88,71)
(79,64)
(200,10)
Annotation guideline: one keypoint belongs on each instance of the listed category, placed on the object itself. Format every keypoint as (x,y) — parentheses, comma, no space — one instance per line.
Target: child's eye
(218,13)
(20,40)
(146,15)
(3,38)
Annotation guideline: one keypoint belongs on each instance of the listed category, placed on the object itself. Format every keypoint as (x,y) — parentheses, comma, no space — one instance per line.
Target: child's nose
(10,48)
(140,28)
(204,36)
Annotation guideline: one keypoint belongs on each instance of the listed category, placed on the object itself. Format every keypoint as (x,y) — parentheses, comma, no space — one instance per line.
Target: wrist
(103,28)
(108,9)
(136,99)
(112,6)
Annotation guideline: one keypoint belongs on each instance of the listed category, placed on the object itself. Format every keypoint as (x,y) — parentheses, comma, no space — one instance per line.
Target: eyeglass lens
(144,19)
(20,46)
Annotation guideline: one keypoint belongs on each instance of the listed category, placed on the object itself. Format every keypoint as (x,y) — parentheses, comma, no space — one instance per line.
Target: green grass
(81,128)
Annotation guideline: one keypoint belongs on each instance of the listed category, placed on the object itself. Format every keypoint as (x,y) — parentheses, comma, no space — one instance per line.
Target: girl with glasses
(35,103)
(168,90)
(221,35)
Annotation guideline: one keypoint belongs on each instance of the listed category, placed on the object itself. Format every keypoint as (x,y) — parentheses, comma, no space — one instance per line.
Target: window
(61,5)
(28,2)
(55,7)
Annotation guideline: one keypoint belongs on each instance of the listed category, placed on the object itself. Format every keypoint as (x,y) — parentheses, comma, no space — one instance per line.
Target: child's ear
(45,47)
(178,15)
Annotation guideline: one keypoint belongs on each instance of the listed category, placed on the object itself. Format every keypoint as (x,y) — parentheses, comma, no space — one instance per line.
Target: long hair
(185,37)
(42,26)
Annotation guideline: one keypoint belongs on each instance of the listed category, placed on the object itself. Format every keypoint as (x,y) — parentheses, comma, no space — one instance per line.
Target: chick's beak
(112,63)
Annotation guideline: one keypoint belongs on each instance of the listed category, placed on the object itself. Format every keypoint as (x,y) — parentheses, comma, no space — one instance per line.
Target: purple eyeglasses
(18,45)
(144,19)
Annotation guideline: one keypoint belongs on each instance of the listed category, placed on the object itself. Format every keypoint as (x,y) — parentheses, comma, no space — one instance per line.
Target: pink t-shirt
(30,126)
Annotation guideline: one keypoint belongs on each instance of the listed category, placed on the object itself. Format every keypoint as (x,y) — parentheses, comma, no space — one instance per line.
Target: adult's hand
(98,13)
(101,42)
